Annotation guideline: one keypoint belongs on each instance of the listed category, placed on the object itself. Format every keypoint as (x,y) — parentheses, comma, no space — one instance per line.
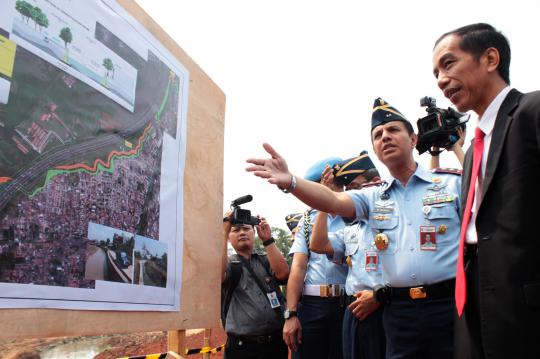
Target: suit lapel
(466,177)
(500,130)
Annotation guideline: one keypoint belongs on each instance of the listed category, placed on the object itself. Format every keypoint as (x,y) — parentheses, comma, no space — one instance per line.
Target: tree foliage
(66,35)
(283,240)
(35,13)
(109,66)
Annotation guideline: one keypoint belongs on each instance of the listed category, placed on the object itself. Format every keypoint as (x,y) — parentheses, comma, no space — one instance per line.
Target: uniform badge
(428,239)
(381,241)
(384,207)
(372,259)
(436,180)
(384,196)
(437,187)
(437,198)
(442,229)
(348,260)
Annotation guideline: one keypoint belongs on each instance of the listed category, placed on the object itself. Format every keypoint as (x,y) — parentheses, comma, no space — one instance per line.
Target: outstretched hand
(273,169)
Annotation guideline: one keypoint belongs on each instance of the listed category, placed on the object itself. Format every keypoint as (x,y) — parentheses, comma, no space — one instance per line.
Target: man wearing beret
(313,317)
(419,281)
(363,334)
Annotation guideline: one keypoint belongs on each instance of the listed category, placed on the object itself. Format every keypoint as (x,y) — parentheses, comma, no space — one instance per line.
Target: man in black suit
(498,302)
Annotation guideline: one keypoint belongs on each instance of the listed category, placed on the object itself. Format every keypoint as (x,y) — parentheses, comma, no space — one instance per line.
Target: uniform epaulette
(454,171)
(371,184)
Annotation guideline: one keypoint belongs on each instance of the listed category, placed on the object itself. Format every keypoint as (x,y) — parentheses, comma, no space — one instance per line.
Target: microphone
(241,200)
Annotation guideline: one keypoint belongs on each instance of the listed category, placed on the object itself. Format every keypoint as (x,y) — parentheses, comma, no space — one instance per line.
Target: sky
(303,75)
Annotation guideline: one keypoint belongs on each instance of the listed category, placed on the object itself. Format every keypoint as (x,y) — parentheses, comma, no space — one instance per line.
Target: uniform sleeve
(361,202)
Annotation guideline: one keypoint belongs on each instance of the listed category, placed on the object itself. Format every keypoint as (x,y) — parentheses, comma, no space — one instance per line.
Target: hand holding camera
(439,128)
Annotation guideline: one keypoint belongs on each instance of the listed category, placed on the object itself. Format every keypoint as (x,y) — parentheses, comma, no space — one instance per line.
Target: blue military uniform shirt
(354,242)
(429,199)
(320,270)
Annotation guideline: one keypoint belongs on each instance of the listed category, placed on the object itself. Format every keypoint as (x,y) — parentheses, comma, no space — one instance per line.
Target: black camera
(439,127)
(243,216)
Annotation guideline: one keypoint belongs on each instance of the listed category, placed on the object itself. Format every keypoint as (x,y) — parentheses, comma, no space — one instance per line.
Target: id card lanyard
(272,296)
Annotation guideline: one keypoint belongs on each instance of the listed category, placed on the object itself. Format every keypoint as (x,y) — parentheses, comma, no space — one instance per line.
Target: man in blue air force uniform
(363,334)
(412,204)
(313,317)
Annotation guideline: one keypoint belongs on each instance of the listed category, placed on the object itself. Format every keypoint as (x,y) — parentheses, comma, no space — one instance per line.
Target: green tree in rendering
(40,19)
(109,66)
(25,9)
(67,37)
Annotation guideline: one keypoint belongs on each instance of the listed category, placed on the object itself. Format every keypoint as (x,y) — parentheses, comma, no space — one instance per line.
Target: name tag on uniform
(352,239)
(274,302)
(372,259)
(428,239)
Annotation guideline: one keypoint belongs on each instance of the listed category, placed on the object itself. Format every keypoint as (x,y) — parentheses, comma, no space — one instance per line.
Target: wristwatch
(289,314)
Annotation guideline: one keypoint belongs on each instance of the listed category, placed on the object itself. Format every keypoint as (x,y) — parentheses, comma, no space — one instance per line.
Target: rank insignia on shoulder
(371,184)
(454,171)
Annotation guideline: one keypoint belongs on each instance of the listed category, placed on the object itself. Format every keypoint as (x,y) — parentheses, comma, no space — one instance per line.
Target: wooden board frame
(203,210)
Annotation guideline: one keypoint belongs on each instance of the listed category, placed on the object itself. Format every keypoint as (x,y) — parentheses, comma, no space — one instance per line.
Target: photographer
(252,307)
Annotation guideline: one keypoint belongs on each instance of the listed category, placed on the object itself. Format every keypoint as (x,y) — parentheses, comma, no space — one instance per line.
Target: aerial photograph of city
(73,159)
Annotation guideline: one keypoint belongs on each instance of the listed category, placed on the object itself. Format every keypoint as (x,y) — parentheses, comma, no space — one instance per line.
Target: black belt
(259,339)
(433,291)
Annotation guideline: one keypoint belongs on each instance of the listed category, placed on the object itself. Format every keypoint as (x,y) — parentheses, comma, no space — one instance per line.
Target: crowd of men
(423,264)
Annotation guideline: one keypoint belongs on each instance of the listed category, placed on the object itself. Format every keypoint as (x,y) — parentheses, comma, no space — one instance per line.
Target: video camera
(439,127)
(243,216)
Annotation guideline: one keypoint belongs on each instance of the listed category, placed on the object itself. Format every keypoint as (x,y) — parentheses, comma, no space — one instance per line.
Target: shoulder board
(372,184)
(454,171)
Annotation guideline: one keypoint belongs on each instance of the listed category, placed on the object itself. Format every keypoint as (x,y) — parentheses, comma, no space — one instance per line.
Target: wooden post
(206,342)
(176,341)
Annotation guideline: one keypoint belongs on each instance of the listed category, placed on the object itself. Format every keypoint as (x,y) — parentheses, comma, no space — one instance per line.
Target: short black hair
(370,174)
(477,38)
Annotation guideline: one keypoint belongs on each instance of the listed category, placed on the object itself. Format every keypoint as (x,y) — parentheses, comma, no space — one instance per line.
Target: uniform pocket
(442,212)
(386,224)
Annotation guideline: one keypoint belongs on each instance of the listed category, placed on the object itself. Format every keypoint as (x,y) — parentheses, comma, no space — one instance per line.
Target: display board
(142,207)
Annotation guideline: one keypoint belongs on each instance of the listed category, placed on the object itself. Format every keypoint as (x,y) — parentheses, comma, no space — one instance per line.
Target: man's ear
(492,59)
(414,139)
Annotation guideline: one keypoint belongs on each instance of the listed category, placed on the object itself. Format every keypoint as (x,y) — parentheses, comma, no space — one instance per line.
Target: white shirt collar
(487,121)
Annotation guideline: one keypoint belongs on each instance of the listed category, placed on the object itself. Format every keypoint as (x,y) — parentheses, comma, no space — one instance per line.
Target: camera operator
(253,316)
(457,148)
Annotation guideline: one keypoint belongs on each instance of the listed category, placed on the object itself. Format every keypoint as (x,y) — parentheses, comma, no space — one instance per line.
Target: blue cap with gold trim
(346,171)
(384,113)
(292,220)
(314,172)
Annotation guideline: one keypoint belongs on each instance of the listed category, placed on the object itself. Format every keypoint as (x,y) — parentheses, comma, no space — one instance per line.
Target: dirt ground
(120,345)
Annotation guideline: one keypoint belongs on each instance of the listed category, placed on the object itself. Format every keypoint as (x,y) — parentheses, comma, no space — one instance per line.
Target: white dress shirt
(486,124)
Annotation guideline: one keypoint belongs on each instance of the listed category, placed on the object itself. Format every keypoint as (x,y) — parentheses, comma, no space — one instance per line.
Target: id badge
(372,260)
(274,302)
(428,238)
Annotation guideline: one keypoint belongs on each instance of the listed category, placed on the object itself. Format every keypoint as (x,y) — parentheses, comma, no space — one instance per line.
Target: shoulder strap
(261,286)
(307,223)
(236,273)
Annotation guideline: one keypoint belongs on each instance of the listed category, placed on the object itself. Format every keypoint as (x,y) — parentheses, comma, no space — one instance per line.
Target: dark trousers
(321,320)
(419,329)
(469,339)
(363,339)
(241,348)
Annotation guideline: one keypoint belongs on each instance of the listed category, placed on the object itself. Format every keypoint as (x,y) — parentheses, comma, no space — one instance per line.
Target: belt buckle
(417,293)
(325,290)
(262,339)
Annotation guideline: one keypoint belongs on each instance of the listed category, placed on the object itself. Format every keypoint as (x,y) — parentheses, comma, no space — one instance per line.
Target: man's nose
(442,81)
